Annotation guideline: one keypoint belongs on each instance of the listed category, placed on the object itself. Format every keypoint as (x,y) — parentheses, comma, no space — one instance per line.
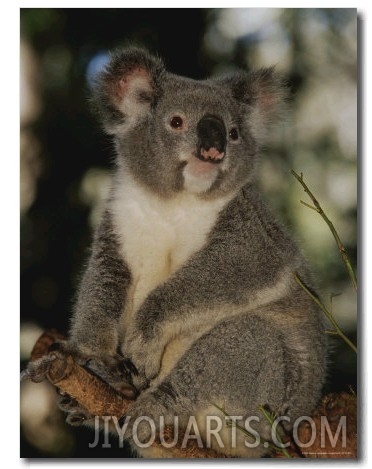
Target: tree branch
(328,314)
(319,209)
(96,395)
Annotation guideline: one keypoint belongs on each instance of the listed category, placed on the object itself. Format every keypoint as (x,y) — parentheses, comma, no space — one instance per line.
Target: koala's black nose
(211,133)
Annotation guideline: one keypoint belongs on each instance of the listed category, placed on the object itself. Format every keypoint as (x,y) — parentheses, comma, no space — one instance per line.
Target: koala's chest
(158,236)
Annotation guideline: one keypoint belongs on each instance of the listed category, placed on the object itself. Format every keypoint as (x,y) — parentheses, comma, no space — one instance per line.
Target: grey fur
(248,348)
(101,295)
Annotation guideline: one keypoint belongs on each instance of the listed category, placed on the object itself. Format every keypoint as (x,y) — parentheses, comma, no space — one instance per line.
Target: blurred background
(66,159)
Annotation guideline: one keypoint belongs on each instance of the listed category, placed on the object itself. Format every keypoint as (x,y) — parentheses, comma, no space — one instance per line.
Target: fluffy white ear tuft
(265,94)
(267,91)
(134,94)
(268,94)
(125,91)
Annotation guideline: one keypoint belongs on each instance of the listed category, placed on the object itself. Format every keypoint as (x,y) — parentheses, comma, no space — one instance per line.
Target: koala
(189,302)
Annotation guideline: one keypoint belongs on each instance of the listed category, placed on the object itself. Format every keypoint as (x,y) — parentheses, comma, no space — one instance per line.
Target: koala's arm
(229,276)
(101,296)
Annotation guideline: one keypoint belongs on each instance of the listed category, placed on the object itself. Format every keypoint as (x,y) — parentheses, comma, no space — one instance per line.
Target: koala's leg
(240,365)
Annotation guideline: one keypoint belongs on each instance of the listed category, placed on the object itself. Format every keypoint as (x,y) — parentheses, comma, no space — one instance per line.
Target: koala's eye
(176,122)
(233,134)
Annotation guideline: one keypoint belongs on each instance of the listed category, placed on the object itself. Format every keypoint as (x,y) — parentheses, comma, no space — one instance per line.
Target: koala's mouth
(203,165)
(210,155)
(200,174)
(203,168)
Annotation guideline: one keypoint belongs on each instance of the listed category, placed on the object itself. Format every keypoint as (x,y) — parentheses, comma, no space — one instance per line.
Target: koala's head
(177,134)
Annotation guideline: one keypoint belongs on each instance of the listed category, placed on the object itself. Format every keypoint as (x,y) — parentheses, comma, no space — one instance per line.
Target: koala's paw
(146,354)
(148,361)
(114,370)
(118,372)
(76,414)
(37,369)
(135,376)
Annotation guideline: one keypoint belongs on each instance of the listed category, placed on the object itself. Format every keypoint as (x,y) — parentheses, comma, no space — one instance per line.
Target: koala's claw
(77,419)
(117,372)
(67,403)
(76,414)
(127,367)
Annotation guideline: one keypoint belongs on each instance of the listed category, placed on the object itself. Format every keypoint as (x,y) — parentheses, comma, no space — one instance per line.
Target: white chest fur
(157,236)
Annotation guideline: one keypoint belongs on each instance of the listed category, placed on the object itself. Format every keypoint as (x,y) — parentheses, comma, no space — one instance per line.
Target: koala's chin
(199,176)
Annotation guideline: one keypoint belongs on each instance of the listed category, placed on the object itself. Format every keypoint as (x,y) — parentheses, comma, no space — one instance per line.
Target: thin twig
(263,441)
(231,422)
(327,313)
(319,209)
(270,418)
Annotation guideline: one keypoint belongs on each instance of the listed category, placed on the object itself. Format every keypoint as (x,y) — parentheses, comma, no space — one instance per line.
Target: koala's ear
(266,94)
(125,90)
